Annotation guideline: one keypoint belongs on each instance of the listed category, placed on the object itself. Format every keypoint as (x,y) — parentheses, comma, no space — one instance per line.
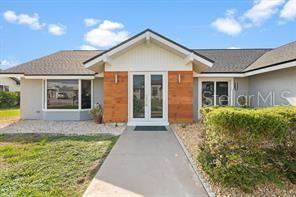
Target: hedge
(246,147)
(9,99)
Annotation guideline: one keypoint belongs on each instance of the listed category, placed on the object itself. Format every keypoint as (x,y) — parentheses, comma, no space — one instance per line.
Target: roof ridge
(293,42)
(255,61)
(271,52)
(83,50)
(238,49)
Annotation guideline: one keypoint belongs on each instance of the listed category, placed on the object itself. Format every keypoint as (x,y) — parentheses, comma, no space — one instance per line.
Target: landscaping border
(205,184)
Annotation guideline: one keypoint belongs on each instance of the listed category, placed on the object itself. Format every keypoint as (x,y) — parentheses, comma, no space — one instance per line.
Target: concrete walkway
(146,163)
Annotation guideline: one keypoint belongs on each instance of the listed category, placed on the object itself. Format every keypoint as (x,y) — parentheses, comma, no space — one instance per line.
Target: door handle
(146,100)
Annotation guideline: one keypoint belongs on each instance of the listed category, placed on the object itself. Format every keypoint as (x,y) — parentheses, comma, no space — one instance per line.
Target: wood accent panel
(115,97)
(180,95)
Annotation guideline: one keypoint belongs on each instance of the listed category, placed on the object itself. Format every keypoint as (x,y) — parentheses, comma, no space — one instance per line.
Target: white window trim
(230,86)
(44,97)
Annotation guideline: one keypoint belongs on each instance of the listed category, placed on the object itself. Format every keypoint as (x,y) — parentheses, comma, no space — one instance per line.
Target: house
(9,84)
(152,80)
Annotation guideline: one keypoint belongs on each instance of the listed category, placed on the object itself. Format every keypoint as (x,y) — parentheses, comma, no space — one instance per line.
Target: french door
(148,98)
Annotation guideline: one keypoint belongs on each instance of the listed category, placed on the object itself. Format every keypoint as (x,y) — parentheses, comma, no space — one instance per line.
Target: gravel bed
(61,127)
(190,134)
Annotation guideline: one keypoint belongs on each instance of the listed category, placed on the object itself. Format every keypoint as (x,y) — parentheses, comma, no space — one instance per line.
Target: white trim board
(11,75)
(146,37)
(59,77)
(249,73)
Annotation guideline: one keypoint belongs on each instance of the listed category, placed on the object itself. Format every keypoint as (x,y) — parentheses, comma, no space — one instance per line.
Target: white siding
(98,96)
(275,84)
(13,87)
(147,57)
(241,88)
(31,99)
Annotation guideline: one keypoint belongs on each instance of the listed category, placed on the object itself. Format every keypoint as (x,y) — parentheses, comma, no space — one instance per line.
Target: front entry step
(150,128)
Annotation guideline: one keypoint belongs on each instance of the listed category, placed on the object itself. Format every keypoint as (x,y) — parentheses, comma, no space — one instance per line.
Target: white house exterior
(8,84)
(151,80)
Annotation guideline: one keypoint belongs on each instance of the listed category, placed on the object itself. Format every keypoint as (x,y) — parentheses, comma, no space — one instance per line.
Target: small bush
(9,99)
(245,147)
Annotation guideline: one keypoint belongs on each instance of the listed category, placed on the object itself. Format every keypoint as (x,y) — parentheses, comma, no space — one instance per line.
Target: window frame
(215,80)
(44,96)
(2,89)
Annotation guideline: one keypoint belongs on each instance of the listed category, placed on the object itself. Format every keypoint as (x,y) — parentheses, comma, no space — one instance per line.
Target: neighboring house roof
(59,63)
(231,60)
(17,81)
(282,54)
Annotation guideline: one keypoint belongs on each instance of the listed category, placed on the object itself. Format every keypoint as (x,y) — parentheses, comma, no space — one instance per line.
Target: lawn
(46,165)
(8,114)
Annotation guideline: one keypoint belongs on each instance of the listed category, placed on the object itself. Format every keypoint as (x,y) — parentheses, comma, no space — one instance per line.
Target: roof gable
(277,56)
(147,36)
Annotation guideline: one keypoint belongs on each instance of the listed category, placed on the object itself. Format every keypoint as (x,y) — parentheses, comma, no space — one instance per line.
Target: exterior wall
(180,96)
(195,99)
(31,102)
(115,97)
(13,87)
(98,93)
(31,99)
(275,83)
(147,57)
(66,115)
(241,88)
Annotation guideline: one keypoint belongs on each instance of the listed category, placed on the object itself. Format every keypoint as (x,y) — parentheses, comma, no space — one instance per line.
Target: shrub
(245,147)
(9,99)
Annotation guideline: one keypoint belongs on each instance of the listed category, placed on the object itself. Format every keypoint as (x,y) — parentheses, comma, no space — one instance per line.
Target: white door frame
(147,120)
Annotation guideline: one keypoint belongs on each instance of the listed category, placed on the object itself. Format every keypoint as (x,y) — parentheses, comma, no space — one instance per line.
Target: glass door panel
(138,96)
(156,96)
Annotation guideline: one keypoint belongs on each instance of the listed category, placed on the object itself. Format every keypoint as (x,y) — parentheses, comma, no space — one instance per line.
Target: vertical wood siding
(180,96)
(115,97)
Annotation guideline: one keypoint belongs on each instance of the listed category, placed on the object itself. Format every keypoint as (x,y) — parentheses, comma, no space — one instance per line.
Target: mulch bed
(190,134)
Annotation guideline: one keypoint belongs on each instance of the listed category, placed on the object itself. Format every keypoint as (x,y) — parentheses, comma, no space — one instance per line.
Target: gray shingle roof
(226,61)
(278,55)
(59,63)
(231,60)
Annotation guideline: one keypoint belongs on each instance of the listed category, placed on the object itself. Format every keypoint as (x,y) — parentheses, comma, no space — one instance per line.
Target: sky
(31,29)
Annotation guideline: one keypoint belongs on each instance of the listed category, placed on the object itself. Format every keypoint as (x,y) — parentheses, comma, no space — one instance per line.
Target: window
(62,94)
(85,94)
(4,88)
(208,93)
(222,93)
(215,93)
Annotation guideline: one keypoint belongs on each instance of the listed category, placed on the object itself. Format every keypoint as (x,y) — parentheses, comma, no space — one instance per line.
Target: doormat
(150,128)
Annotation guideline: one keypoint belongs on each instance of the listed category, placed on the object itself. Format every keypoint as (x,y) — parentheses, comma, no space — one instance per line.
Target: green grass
(6,114)
(46,165)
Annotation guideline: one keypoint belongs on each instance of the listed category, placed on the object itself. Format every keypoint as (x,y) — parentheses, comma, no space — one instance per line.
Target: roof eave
(147,34)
